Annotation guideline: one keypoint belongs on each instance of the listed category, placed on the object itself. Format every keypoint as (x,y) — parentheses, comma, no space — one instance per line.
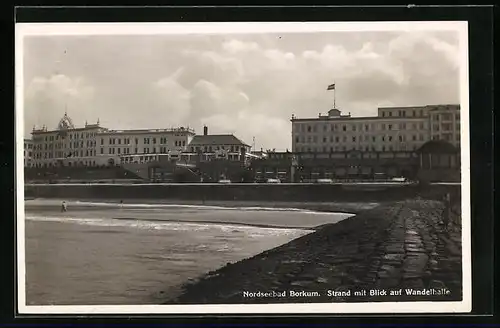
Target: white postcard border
(41,29)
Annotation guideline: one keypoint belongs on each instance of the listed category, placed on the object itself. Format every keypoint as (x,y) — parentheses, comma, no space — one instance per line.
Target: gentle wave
(173,226)
(205,207)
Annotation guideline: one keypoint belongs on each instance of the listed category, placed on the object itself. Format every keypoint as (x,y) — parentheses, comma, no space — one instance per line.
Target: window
(390,138)
(390,113)
(109,151)
(154,149)
(353,139)
(308,128)
(324,127)
(414,113)
(331,138)
(154,140)
(390,126)
(324,139)
(383,114)
(344,128)
(414,137)
(367,127)
(136,141)
(374,138)
(296,140)
(421,125)
(383,138)
(102,151)
(119,150)
(337,139)
(354,127)
(135,149)
(344,138)
(400,138)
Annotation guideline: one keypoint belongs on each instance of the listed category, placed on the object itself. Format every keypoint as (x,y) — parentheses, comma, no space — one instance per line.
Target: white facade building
(28,152)
(66,145)
(141,146)
(94,145)
(394,129)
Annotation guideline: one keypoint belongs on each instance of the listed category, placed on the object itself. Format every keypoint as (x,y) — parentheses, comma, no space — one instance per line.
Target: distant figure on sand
(121,203)
(64,207)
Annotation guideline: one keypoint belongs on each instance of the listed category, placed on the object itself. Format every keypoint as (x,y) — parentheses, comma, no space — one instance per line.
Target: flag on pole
(331,87)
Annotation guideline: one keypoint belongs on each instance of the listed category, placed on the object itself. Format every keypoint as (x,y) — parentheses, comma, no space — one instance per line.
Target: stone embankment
(399,247)
(243,192)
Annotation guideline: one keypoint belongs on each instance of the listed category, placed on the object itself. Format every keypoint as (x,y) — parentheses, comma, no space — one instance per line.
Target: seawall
(248,192)
(400,247)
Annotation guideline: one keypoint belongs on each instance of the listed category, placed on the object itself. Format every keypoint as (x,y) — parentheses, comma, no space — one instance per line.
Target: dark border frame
(481,130)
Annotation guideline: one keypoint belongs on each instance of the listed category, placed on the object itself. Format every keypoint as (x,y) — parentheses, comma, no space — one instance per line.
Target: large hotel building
(93,145)
(394,129)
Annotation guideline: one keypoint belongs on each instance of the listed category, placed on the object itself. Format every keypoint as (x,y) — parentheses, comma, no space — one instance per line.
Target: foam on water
(251,231)
(194,207)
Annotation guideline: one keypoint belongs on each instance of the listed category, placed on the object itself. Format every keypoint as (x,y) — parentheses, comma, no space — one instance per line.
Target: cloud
(249,85)
(46,99)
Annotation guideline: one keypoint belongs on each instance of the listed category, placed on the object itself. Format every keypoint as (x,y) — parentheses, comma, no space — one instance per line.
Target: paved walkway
(400,248)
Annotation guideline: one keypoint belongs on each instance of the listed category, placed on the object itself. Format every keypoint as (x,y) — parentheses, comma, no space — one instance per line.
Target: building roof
(350,118)
(181,130)
(437,147)
(216,139)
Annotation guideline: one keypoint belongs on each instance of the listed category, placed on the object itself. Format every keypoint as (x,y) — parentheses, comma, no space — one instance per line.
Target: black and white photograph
(243,167)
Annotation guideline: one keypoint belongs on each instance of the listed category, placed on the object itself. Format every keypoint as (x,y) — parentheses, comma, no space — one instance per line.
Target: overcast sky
(249,85)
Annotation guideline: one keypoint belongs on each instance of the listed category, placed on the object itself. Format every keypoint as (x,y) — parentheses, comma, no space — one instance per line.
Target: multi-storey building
(445,124)
(28,152)
(67,145)
(218,146)
(140,146)
(394,129)
(93,145)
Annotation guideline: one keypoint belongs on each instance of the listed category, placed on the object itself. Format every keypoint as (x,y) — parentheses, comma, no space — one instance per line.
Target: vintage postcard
(243,168)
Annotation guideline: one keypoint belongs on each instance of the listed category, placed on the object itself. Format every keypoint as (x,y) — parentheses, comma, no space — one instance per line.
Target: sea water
(104,254)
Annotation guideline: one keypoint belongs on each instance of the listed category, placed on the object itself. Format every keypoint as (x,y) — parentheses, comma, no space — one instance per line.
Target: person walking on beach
(64,207)
(121,203)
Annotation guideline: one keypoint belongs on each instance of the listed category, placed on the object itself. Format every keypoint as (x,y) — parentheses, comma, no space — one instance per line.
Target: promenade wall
(250,192)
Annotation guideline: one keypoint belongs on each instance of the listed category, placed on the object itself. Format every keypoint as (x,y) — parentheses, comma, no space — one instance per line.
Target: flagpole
(334,90)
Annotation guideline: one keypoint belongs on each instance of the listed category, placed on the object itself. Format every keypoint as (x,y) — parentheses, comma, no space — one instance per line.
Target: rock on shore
(400,248)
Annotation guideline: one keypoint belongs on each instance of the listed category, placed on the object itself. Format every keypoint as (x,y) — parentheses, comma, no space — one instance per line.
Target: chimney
(205,130)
